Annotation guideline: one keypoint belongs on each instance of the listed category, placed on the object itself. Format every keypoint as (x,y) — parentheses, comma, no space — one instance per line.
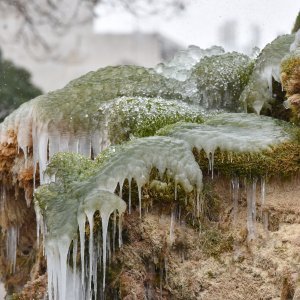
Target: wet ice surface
(232,132)
(66,213)
(267,67)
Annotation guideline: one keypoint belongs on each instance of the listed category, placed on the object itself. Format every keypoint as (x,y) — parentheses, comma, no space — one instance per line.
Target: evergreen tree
(15,87)
(297,24)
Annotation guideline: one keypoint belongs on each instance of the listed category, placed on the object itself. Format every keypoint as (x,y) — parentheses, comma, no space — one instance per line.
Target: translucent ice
(267,68)
(70,119)
(183,61)
(74,198)
(232,132)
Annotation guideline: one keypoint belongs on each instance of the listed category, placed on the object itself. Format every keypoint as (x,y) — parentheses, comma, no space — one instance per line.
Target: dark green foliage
(297,24)
(15,87)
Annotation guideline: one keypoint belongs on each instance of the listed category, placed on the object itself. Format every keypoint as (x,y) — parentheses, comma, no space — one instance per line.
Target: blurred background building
(83,50)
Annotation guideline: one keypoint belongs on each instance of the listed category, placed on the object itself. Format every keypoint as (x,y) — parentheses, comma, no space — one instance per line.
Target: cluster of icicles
(172,154)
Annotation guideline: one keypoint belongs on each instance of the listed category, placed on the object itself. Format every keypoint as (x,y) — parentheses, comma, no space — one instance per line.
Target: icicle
(235,197)
(84,145)
(63,248)
(105,218)
(42,150)
(81,225)
(175,192)
(75,246)
(11,246)
(172,222)
(120,231)
(108,243)
(90,217)
(38,223)
(140,199)
(264,213)
(129,196)
(254,200)
(95,270)
(251,209)
(114,230)
(64,142)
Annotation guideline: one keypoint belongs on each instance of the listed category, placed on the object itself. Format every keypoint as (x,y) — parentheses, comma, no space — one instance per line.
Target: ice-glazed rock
(259,90)
(179,67)
(217,81)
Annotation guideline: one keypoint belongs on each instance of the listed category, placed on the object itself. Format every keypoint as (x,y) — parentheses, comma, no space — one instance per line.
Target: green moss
(76,107)
(281,161)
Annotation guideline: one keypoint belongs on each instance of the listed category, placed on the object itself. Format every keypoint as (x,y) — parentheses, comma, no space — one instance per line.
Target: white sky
(201,21)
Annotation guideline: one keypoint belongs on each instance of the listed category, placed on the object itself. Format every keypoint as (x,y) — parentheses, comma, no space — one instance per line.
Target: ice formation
(89,123)
(11,246)
(180,66)
(111,104)
(59,132)
(267,68)
(66,210)
(217,81)
(231,132)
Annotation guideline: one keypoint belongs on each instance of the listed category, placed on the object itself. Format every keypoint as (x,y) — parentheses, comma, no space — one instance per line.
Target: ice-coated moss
(141,117)
(99,108)
(220,80)
(243,145)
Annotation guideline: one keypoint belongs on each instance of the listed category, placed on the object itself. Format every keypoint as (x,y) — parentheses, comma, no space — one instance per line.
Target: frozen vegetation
(259,90)
(93,146)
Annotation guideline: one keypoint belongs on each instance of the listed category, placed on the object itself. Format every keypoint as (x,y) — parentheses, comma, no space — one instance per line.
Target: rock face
(192,207)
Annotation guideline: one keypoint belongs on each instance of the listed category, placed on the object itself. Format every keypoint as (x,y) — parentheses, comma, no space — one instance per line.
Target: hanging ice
(67,205)
(231,132)
(267,67)
(12,237)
